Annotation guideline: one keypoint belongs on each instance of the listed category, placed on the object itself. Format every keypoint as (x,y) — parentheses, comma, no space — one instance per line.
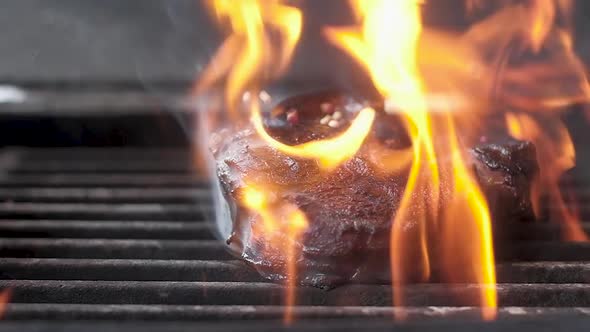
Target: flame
(329,152)
(554,144)
(256,200)
(537,21)
(468,202)
(248,55)
(386,45)
(441,84)
(562,79)
(297,223)
(247,59)
(282,227)
(552,77)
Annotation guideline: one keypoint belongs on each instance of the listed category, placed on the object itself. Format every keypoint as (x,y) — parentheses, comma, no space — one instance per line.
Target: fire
(329,152)
(297,223)
(387,45)
(468,202)
(443,86)
(248,55)
(282,226)
(5,296)
(552,77)
(561,78)
(256,200)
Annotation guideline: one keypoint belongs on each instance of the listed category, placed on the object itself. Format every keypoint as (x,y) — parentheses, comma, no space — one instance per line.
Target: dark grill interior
(122,234)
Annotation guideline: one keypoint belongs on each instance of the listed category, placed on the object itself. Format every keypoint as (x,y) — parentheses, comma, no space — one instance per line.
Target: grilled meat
(350,209)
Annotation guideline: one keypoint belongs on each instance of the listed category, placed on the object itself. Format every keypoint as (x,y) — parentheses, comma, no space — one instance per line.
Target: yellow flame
(464,69)
(386,45)
(329,152)
(256,200)
(469,202)
(282,227)
(297,224)
(543,14)
(392,65)
(248,54)
(247,59)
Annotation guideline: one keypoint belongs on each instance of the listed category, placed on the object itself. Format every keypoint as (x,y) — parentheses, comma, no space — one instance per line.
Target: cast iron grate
(121,234)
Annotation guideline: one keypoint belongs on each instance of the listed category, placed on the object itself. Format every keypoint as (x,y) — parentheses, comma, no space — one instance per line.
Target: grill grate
(121,234)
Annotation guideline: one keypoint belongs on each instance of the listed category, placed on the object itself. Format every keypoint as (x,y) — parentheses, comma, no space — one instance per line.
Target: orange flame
(561,81)
(329,152)
(247,55)
(297,223)
(283,225)
(386,46)
(556,146)
(553,76)
(468,215)
(553,79)
(418,72)
(246,60)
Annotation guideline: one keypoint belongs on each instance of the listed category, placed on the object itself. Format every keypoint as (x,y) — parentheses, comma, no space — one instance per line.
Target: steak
(349,209)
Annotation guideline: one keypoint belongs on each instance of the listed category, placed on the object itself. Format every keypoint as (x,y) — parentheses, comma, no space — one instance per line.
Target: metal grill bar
(121,269)
(19,311)
(206,270)
(147,211)
(104,195)
(110,230)
(97,153)
(253,293)
(101,166)
(101,248)
(539,231)
(120,234)
(188,249)
(567,322)
(549,251)
(93,180)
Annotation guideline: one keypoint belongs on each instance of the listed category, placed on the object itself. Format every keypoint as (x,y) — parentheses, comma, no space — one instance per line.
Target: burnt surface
(505,172)
(350,209)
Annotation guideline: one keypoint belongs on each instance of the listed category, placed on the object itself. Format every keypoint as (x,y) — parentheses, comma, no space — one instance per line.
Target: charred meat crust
(349,209)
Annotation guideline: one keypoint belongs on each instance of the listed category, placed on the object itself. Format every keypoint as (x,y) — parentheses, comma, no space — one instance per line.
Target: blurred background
(152,40)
